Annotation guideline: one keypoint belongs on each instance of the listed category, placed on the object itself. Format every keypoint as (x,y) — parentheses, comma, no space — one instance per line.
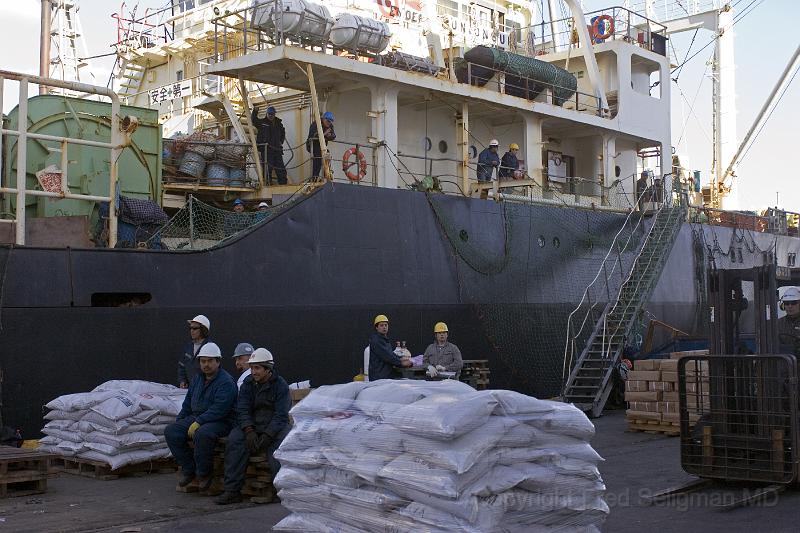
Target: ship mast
(62,47)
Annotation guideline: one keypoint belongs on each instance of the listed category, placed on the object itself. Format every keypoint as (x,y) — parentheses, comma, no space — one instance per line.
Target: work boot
(227,498)
(204,483)
(185,480)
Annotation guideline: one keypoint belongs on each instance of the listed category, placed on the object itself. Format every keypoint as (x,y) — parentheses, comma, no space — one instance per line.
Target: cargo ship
(600,230)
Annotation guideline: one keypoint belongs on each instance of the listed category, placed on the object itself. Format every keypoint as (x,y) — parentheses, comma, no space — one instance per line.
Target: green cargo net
(199,226)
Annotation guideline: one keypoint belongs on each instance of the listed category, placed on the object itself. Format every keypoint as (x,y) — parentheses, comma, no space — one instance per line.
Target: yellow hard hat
(379,319)
(513,146)
(440,327)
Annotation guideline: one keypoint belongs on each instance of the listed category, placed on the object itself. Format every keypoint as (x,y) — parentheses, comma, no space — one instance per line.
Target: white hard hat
(791,294)
(261,355)
(209,349)
(494,142)
(263,204)
(201,319)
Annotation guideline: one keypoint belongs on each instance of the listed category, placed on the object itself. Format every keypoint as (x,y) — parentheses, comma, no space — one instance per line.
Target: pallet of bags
(118,424)
(410,456)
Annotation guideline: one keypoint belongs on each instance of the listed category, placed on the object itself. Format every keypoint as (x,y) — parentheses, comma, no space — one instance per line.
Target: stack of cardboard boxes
(652,393)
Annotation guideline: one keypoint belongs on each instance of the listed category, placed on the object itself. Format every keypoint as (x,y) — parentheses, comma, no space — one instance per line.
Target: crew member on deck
(382,359)
(241,358)
(789,325)
(206,415)
(312,142)
(271,135)
(488,160)
(442,356)
(199,328)
(509,164)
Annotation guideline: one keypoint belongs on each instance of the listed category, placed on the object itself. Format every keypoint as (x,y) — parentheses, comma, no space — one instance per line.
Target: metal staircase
(590,379)
(130,78)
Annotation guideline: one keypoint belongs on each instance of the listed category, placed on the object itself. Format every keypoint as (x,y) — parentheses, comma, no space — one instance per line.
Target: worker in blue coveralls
(382,359)
(206,415)
(488,160)
(262,412)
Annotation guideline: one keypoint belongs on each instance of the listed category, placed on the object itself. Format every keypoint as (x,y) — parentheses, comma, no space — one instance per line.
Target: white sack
(120,406)
(125,458)
(63,425)
(135,386)
(72,436)
(79,401)
(443,416)
(58,414)
(126,440)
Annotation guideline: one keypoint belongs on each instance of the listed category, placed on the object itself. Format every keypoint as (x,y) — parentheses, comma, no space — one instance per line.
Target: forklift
(738,405)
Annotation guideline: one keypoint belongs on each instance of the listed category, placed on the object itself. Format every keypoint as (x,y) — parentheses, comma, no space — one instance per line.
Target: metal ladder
(131,76)
(590,381)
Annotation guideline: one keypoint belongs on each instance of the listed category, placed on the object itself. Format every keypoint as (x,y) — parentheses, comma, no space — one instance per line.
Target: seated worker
(206,415)
(262,412)
(382,359)
(442,356)
(509,164)
(241,358)
(199,328)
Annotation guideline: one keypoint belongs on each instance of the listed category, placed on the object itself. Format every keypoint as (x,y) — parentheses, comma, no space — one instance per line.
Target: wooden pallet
(23,471)
(103,472)
(476,373)
(652,427)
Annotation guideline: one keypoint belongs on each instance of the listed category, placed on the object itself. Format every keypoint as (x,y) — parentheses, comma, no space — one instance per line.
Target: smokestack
(44,45)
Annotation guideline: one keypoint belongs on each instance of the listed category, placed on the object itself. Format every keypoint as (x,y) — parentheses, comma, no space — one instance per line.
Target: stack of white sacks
(120,422)
(411,456)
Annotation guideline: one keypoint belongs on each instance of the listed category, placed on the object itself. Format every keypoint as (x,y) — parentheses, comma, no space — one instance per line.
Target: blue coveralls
(265,408)
(210,404)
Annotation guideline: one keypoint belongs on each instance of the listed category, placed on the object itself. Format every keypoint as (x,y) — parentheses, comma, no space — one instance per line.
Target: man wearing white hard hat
(206,415)
(262,422)
(199,328)
(241,358)
(789,325)
(488,160)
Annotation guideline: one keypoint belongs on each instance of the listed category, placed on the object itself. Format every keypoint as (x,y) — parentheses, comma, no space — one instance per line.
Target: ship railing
(560,35)
(672,9)
(774,221)
(614,268)
(151,29)
(56,184)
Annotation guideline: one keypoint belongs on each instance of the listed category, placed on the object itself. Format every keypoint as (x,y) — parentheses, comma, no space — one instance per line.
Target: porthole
(556,242)
(463,235)
(443,147)
(427,144)
(617,171)
(541,241)
(473,152)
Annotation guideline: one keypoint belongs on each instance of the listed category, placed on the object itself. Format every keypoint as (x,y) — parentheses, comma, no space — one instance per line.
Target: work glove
(432,372)
(440,368)
(251,441)
(192,429)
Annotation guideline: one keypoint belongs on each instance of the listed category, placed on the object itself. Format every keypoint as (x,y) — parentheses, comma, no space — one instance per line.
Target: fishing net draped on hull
(524,268)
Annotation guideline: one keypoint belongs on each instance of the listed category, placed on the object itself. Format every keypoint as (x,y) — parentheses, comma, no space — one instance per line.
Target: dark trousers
(316,161)
(199,460)
(237,455)
(272,160)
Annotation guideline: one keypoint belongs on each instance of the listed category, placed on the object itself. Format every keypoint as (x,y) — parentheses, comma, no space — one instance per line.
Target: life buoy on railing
(362,164)
(609,20)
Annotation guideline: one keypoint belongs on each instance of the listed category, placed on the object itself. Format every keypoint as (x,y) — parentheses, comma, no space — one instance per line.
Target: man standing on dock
(199,328)
(262,412)
(382,359)
(206,415)
(271,135)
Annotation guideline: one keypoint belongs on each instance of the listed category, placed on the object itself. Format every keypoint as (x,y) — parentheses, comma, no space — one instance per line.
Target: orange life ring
(362,164)
(609,27)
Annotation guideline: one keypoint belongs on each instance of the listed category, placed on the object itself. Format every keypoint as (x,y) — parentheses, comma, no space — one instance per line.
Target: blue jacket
(210,402)
(508,165)
(382,358)
(187,364)
(265,406)
(487,160)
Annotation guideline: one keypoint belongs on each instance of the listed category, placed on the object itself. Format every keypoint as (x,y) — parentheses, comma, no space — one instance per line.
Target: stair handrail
(569,348)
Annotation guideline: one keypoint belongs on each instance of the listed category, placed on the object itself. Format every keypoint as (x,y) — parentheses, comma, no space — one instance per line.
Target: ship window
(541,241)
(556,242)
(443,147)
(120,299)
(473,152)
(427,144)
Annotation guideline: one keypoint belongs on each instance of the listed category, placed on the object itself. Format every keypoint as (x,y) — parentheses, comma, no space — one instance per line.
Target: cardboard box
(670,396)
(667,407)
(646,364)
(650,407)
(671,377)
(636,385)
(643,415)
(668,365)
(671,417)
(660,386)
(649,396)
(645,375)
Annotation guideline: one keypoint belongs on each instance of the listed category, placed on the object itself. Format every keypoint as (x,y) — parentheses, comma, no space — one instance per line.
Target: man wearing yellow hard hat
(509,164)
(382,360)
(442,356)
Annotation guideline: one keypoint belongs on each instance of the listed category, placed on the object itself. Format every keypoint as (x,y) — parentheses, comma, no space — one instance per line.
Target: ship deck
(637,464)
